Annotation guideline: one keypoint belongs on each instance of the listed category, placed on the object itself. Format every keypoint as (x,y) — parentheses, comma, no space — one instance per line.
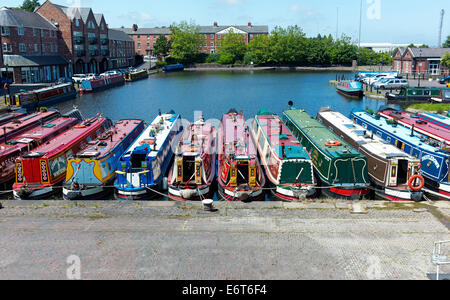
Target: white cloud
(294,7)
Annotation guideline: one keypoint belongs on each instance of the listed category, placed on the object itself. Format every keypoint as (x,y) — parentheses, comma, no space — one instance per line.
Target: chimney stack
(249,24)
(215,24)
(135,27)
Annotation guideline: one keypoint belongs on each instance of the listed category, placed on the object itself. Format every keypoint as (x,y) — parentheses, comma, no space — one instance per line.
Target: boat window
(388,139)
(57,166)
(137,159)
(427,93)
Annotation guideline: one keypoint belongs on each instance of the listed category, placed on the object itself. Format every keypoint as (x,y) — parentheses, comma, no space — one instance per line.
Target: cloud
(294,7)
(233,2)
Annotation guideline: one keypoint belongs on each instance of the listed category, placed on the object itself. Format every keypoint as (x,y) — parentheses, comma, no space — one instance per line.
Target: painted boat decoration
(287,164)
(43,97)
(439,120)
(26,142)
(135,75)
(241,177)
(420,94)
(350,88)
(100,84)
(142,168)
(343,172)
(417,124)
(40,172)
(194,169)
(434,161)
(9,116)
(91,171)
(22,124)
(393,172)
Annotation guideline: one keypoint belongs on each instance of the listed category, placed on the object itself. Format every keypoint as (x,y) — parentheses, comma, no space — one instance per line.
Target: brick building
(420,60)
(145,38)
(30,47)
(84,36)
(121,50)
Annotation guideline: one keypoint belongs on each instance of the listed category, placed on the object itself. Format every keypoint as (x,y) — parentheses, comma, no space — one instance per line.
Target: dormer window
(77,22)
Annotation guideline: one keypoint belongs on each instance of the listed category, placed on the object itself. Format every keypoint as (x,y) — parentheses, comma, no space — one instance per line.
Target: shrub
(160,64)
(226,59)
(213,58)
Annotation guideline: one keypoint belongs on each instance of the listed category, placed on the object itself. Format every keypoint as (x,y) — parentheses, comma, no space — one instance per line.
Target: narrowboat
(142,168)
(420,94)
(394,174)
(19,125)
(43,97)
(287,165)
(91,171)
(173,68)
(41,172)
(23,143)
(414,122)
(436,119)
(135,75)
(9,116)
(241,176)
(349,88)
(434,159)
(102,83)
(343,172)
(194,169)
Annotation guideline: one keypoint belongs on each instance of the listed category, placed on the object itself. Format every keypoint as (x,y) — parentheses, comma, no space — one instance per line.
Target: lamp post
(420,63)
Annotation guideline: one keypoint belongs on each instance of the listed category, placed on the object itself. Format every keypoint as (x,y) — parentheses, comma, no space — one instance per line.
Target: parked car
(391,83)
(78,78)
(111,73)
(64,80)
(444,80)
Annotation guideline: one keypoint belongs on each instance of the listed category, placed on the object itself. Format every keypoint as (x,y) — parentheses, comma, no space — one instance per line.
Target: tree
(446,60)
(446,43)
(186,42)
(257,51)
(30,5)
(231,48)
(162,46)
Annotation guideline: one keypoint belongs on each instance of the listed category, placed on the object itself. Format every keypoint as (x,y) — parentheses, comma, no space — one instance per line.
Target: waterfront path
(167,240)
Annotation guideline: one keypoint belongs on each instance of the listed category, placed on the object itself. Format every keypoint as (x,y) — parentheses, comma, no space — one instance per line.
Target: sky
(391,21)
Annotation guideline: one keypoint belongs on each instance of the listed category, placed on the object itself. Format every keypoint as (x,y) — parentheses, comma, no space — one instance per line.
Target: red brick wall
(147,42)
(29,39)
(118,59)
(1,52)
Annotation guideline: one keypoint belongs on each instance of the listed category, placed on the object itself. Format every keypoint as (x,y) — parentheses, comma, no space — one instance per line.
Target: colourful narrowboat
(394,173)
(143,167)
(173,68)
(41,172)
(135,75)
(349,88)
(91,172)
(288,166)
(102,83)
(9,116)
(26,142)
(342,171)
(194,169)
(241,177)
(421,94)
(436,119)
(434,159)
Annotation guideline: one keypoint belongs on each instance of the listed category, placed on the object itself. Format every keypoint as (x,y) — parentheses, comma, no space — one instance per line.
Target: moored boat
(240,175)
(342,171)
(194,168)
(142,168)
(439,120)
(173,68)
(287,164)
(349,88)
(393,172)
(434,160)
(91,171)
(102,83)
(135,75)
(9,116)
(40,172)
(26,142)
(420,94)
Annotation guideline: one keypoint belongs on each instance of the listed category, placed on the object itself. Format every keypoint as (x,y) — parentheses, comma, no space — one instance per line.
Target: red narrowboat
(241,177)
(39,171)
(102,83)
(194,168)
(27,141)
(9,116)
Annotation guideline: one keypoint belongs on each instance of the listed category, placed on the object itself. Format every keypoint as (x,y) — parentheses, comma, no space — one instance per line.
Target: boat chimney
(159,112)
(283,150)
(412,129)
(281,128)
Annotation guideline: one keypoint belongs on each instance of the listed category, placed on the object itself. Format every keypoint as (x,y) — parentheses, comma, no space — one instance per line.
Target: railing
(438,258)
(80,53)
(79,39)
(93,52)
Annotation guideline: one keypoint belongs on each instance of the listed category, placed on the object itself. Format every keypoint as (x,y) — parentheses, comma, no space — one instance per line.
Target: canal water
(215,93)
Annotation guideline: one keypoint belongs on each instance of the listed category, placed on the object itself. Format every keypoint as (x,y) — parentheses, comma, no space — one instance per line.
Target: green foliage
(226,59)
(367,57)
(213,58)
(446,43)
(446,60)
(186,42)
(257,51)
(232,47)
(160,64)
(30,5)
(162,46)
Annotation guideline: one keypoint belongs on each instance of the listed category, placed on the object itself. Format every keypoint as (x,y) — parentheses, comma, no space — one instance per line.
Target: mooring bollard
(208,205)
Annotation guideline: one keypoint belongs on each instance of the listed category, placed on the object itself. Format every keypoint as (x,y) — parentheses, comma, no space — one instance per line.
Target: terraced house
(145,38)
(30,47)
(84,36)
(122,53)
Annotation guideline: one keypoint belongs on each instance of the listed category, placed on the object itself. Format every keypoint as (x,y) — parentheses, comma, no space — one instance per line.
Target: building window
(20,31)
(138,36)
(34,32)
(139,45)
(7,47)
(251,36)
(22,47)
(212,36)
(36,48)
(42,33)
(43,48)
(91,25)
(77,22)
(212,44)
(5,31)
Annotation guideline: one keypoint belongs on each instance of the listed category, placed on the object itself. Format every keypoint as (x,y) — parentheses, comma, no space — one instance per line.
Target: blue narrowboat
(349,88)
(142,168)
(173,68)
(433,155)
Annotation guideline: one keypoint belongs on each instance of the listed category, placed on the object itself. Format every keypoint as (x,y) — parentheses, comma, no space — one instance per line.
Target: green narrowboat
(341,170)
(421,94)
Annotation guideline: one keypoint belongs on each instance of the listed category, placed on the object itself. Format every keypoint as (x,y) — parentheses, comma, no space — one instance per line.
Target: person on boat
(291,105)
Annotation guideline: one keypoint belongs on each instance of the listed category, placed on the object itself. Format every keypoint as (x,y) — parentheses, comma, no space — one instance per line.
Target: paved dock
(270,240)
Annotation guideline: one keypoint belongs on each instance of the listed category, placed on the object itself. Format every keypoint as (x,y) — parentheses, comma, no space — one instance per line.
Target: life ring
(149,142)
(80,126)
(333,144)
(412,179)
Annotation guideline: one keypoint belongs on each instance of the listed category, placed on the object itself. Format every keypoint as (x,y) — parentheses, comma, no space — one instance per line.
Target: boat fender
(333,144)
(165,184)
(413,179)
(80,126)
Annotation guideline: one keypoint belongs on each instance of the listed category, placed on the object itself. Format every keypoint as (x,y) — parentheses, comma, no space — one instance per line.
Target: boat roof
(235,132)
(350,84)
(196,138)
(10,115)
(408,119)
(276,132)
(65,140)
(24,121)
(359,134)
(401,132)
(162,132)
(319,134)
(36,134)
(435,117)
(109,140)
(62,85)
